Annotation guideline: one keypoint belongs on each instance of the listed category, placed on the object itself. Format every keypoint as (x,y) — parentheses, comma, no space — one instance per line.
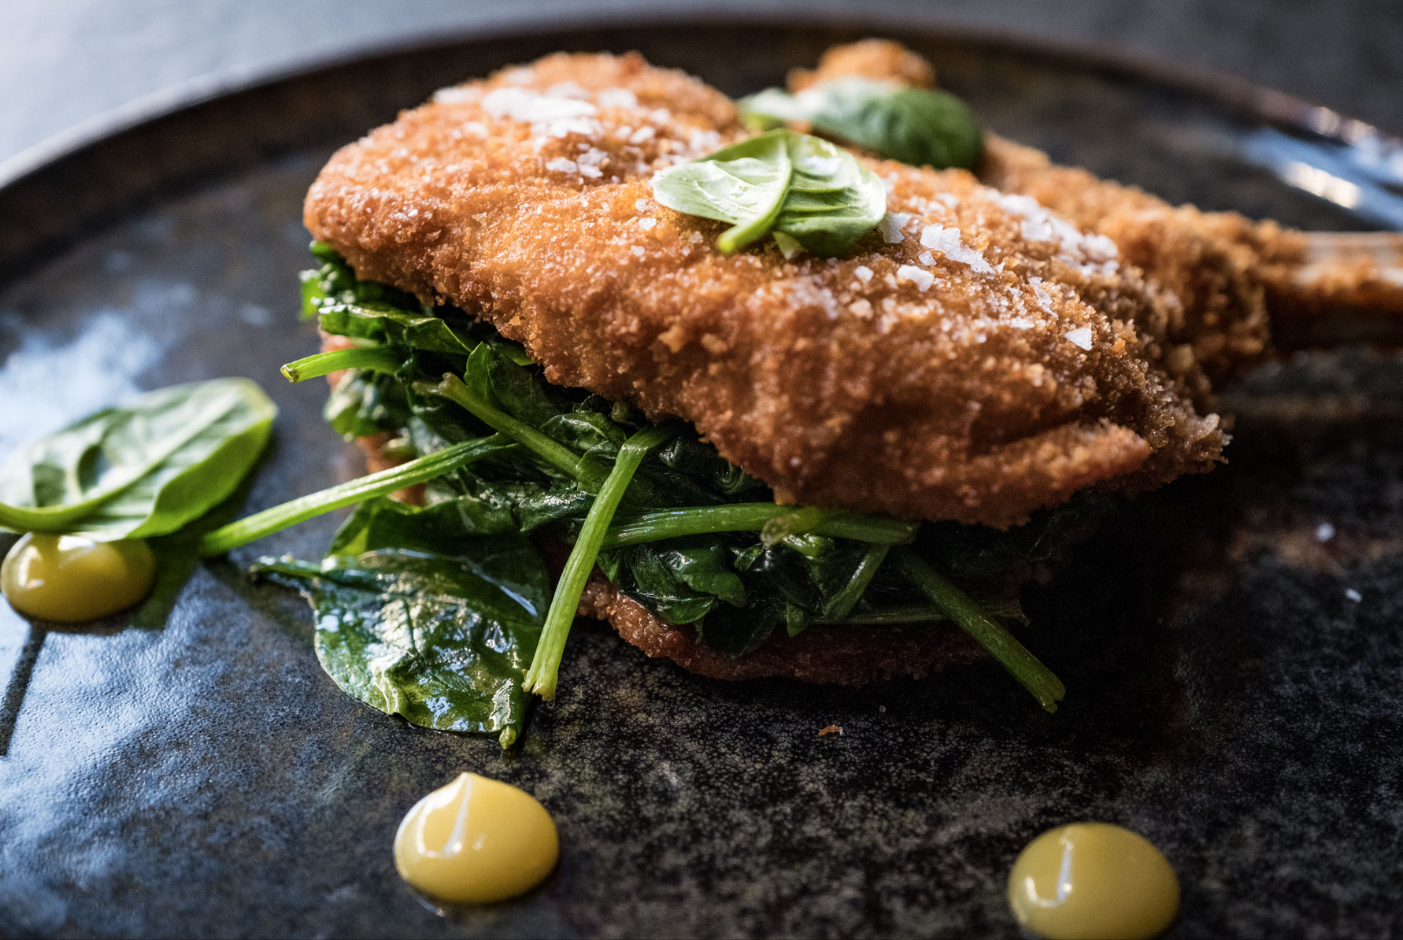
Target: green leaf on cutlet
(919,126)
(780,181)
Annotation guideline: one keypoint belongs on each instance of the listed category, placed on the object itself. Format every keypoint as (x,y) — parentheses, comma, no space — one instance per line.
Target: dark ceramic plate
(1234,675)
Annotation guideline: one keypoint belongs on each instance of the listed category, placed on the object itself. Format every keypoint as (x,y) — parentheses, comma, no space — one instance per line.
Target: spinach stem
(374,358)
(894,616)
(971,618)
(288,514)
(754,517)
(843,602)
(545,667)
(553,453)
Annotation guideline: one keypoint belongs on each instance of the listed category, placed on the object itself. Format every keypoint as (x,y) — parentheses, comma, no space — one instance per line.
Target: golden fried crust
(881,59)
(975,359)
(1219,265)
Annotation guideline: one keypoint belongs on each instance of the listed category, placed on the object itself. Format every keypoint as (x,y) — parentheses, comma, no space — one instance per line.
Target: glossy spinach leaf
(451,526)
(364,403)
(779,181)
(443,640)
(919,126)
(143,469)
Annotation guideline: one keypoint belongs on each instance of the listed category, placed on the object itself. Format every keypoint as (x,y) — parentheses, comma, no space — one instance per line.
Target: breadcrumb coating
(976,358)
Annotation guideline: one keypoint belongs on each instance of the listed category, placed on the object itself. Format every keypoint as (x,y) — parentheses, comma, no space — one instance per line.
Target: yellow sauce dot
(71,579)
(476,841)
(1093,881)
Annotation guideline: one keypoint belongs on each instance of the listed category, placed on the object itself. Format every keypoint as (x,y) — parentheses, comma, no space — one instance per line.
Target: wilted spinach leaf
(919,126)
(444,640)
(143,469)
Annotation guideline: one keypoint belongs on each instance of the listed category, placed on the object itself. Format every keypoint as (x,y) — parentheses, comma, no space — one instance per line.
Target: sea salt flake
(617,98)
(566,90)
(922,278)
(523,104)
(890,227)
(947,242)
(456,94)
(593,172)
(1080,337)
(863,273)
(641,205)
(1044,300)
(646,224)
(562,165)
(637,251)
(642,134)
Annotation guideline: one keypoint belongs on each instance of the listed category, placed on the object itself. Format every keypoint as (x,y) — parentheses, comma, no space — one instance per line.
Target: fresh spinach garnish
(504,455)
(919,126)
(143,469)
(795,185)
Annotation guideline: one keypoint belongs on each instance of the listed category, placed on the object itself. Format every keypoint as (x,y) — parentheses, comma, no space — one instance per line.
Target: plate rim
(183,97)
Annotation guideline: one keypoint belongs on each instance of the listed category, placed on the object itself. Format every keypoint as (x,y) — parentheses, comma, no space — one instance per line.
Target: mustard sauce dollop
(476,841)
(1093,881)
(70,579)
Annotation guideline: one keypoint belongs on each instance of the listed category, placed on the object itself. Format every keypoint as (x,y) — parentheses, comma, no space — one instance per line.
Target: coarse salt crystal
(863,273)
(617,98)
(918,276)
(637,250)
(926,257)
(456,94)
(641,205)
(1044,298)
(947,242)
(646,224)
(641,135)
(1080,337)
(861,308)
(890,227)
(562,165)
(593,172)
(523,104)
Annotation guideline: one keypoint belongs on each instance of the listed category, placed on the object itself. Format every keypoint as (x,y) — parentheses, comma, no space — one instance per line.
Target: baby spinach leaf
(919,126)
(744,184)
(833,200)
(443,640)
(143,469)
(781,181)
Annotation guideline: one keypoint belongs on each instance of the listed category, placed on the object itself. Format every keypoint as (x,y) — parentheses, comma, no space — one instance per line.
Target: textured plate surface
(1233,674)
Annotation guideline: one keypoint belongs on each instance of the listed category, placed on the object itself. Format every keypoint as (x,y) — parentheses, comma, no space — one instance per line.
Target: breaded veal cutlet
(999,343)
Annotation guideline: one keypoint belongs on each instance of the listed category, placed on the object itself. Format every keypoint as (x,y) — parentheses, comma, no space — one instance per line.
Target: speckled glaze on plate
(1231,645)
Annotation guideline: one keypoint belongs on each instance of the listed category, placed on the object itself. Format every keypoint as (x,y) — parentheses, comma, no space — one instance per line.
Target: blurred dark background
(67,62)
